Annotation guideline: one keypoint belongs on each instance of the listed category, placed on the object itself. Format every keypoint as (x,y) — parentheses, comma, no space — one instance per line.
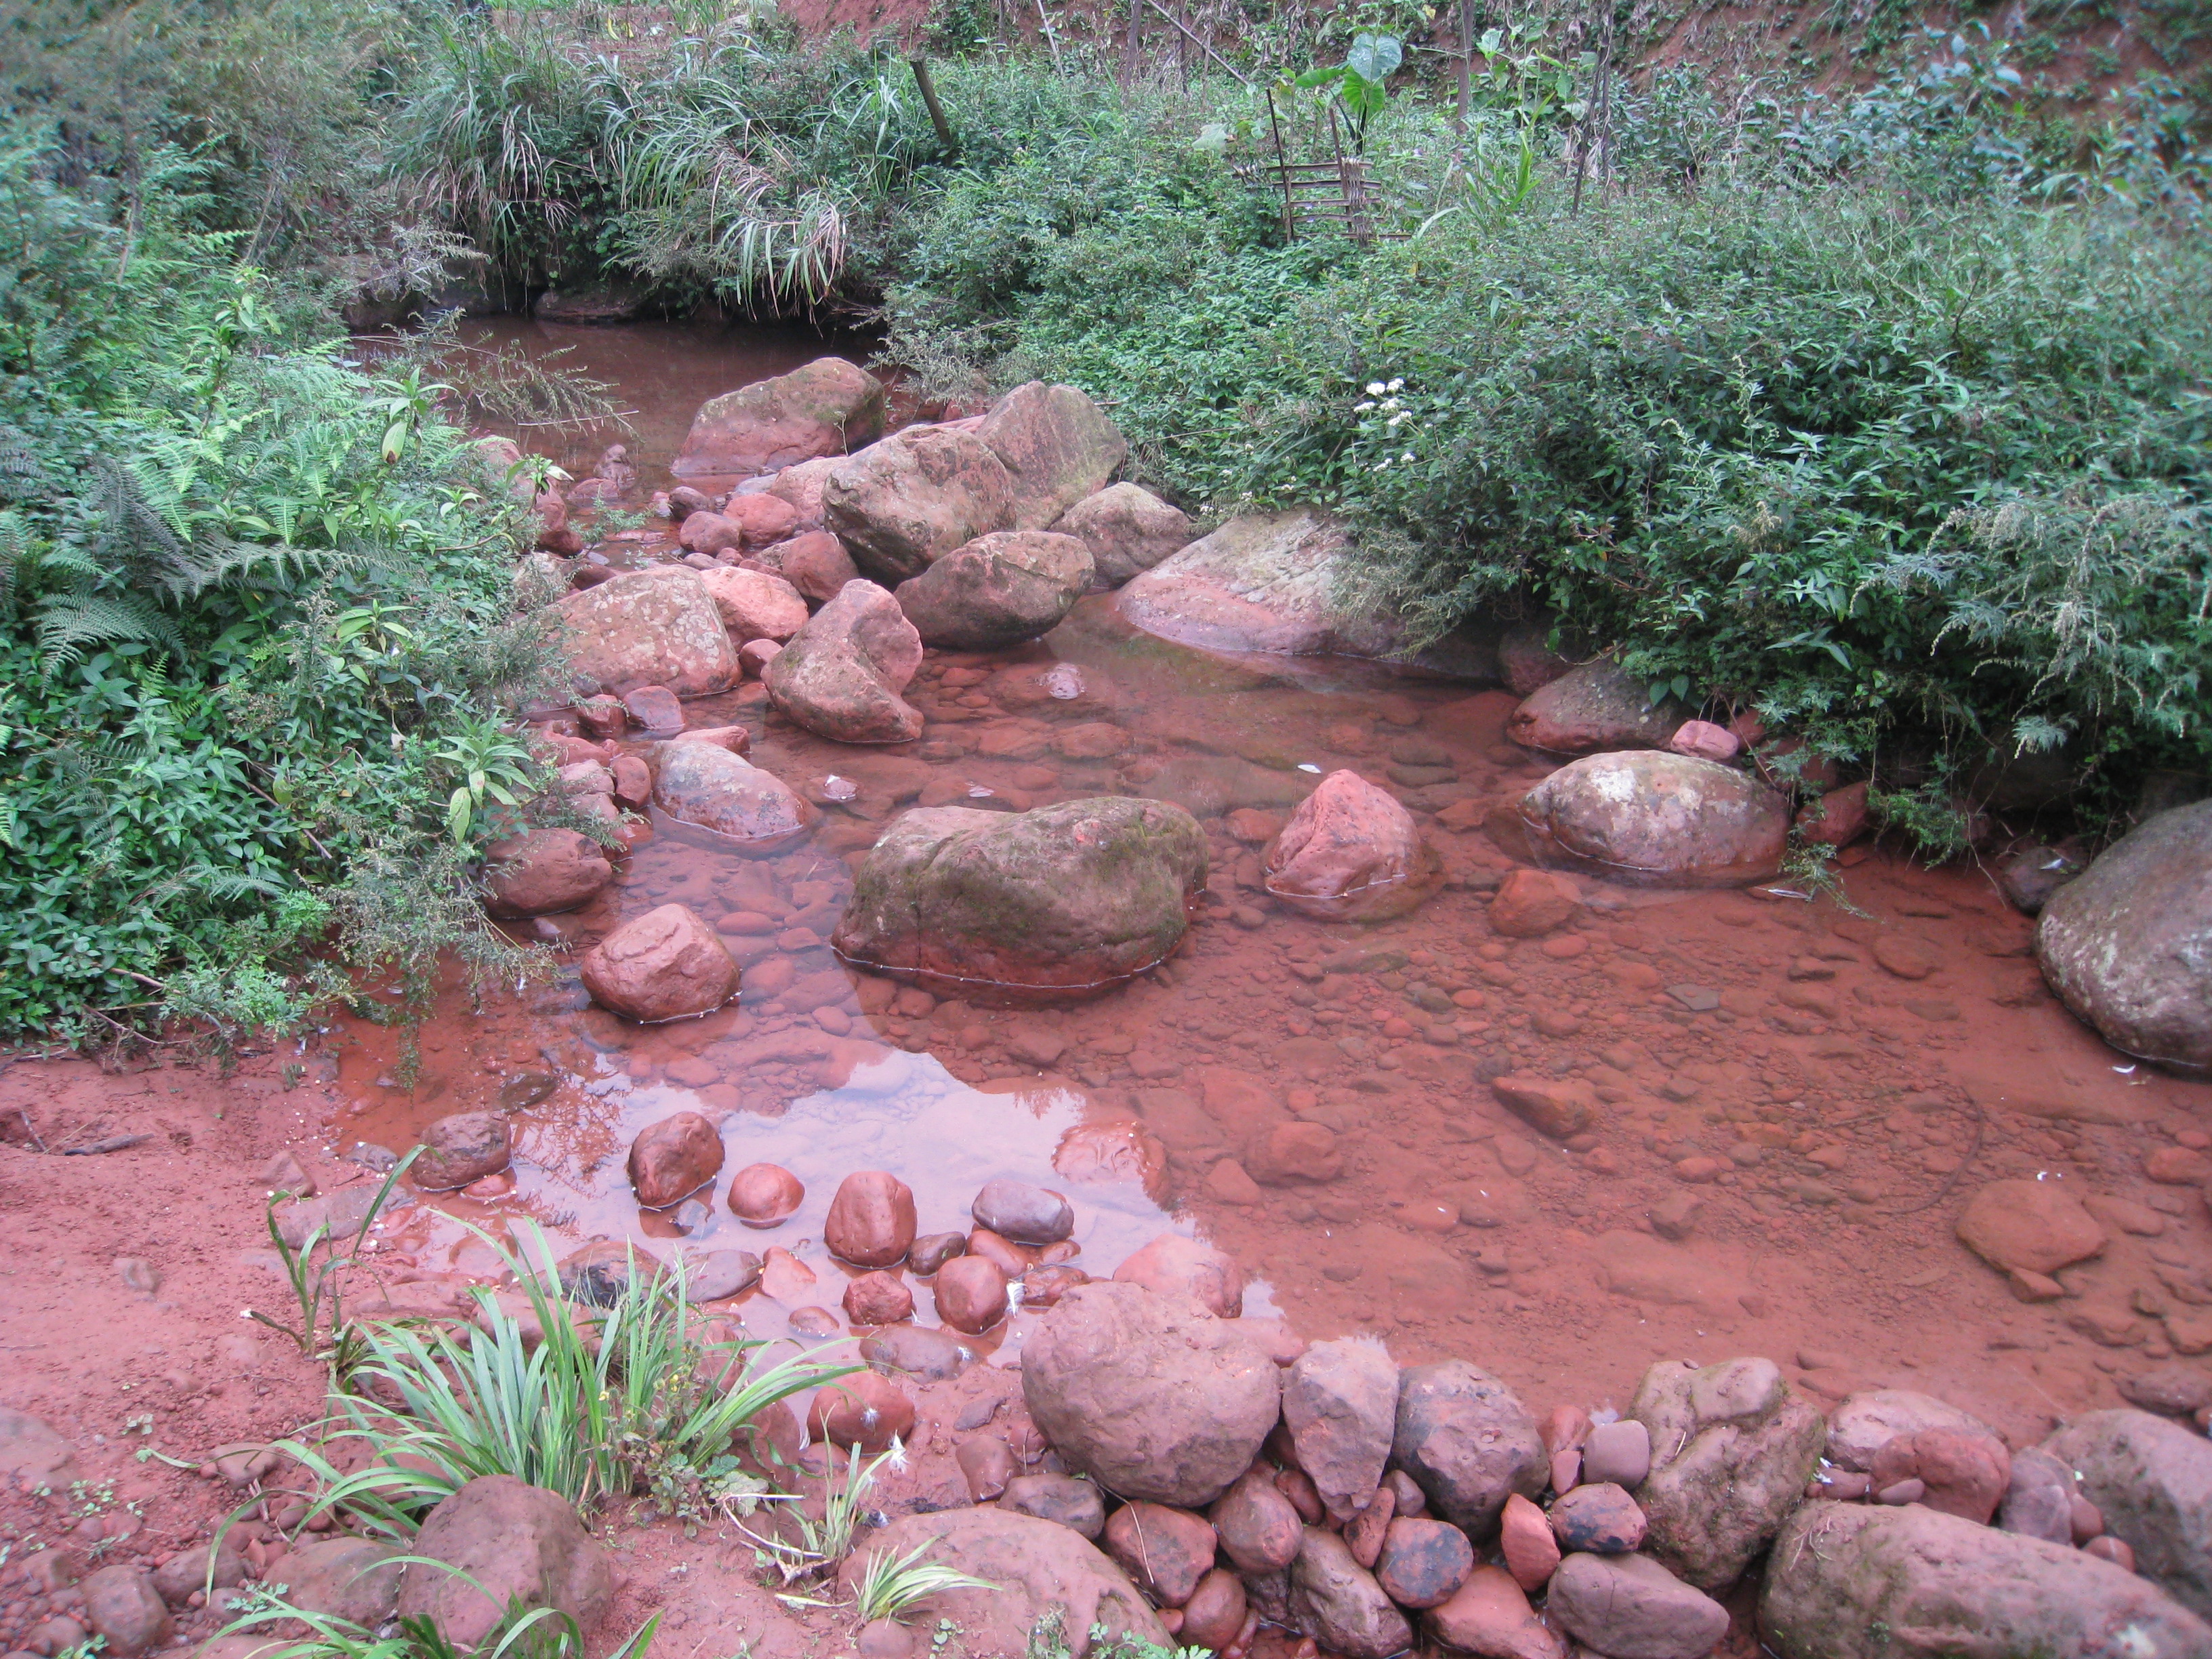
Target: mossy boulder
(1853,1581)
(1060,902)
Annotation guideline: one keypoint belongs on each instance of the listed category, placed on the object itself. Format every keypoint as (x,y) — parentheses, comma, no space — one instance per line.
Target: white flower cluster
(1382,396)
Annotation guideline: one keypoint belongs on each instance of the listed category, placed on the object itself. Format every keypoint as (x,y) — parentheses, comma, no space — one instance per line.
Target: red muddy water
(1803,1091)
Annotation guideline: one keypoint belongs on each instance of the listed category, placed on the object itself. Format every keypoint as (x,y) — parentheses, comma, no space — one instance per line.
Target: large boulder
(1849,1581)
(705,784)
(1057,448)
(2152,1480)
(1128,529)
(1037,1572)
(1732,1447)
(755,604)
(1592,709)
(998,590)
(901,505)
(1059,900)
(665,964)
(1468,1442)
(825,408)
(658,626)
(1351,853)
(510,1544)
(541,873)
(1149,1395)
(1340,1404)
(2128,943)
(840,675)
(1274,583)
(1650,819)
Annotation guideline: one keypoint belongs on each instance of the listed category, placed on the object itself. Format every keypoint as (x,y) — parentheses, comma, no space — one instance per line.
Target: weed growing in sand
(319,1291)
(822,1544)
(892,1587)
(588,1402)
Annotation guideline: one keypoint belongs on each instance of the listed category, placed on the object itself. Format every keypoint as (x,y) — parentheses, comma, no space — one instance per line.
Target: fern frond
(70,623)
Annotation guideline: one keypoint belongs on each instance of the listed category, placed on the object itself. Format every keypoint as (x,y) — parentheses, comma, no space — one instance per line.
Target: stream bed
(1799,1094)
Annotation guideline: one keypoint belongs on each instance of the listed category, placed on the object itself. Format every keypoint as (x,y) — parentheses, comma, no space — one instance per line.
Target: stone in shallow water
(1065,900)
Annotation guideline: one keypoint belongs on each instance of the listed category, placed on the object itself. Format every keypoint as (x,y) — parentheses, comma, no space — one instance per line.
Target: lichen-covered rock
(1057,448)
(1062,900)
(755,604)
(2128,943)
(705,784)
(1037,1572)
(1149,1396)
(998,590)
(902,504)
(1594,708)
(1272,582)
(1128,529)
(1849,1581)
(2152,1480)
(1732,1447)
(1648,818)
(824,408)
(840,675)
(658,626)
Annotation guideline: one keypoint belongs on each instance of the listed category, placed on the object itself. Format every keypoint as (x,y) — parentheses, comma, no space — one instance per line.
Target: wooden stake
(921,78)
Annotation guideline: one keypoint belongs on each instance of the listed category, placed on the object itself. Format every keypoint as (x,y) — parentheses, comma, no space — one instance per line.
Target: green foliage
(589,1403)
(251,598)
(319,1287)
(1887,428)
(524,1632)
(892,1587)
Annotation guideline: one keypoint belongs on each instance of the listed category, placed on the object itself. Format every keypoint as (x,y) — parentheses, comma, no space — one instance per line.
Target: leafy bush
(1908,459)
(252,603)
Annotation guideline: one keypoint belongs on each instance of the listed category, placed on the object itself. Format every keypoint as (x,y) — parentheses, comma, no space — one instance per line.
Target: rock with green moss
(1850,1581)
(1059,901)
(1732,1447)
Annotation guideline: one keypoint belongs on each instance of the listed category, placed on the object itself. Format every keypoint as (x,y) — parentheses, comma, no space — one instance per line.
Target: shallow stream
(1806,1121)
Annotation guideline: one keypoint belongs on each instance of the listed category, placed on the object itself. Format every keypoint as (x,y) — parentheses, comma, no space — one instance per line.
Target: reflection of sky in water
(905,1114)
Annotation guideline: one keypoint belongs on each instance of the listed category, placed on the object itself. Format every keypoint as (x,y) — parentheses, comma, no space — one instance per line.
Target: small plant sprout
(891,1588)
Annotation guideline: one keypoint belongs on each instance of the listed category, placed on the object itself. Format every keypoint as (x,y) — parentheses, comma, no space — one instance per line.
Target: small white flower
(1382,465)
(1408,456)
(1398,384)
(1375,388)
(1361,409)
(896,1455)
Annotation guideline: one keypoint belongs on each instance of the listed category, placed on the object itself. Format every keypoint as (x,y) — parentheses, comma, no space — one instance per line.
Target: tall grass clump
(593,1403)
